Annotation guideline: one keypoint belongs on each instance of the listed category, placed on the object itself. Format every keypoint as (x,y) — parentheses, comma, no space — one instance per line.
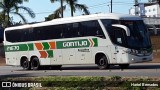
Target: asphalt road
(139,69)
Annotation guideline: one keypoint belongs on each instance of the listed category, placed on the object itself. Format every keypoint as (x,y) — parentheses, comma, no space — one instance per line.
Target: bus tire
(102,62)
(124,66)
(35,65)
(25,64)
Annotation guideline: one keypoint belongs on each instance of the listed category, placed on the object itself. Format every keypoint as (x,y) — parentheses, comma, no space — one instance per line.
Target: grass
(88,83)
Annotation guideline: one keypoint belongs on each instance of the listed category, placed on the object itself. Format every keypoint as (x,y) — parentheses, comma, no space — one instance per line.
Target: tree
(60,9)
(12,7)
(73,4)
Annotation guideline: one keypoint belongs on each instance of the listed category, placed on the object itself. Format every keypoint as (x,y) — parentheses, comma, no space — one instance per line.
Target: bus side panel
(103,47)
(42,56)
(103,50)
(69,56)
(84,56)
(57,57)
(13,54)
(12,59)
(44,61)
(122,57)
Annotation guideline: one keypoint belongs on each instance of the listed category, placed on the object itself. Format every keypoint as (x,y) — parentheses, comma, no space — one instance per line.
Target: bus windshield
(138,37)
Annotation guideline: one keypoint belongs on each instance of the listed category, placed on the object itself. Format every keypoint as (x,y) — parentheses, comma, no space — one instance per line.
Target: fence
(152,20)
(155,42)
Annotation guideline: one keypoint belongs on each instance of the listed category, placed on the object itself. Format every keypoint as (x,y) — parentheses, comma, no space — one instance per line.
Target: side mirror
(122,27)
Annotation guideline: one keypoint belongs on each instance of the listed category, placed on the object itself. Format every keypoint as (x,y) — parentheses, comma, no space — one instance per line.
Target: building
(146,10)
(150,12)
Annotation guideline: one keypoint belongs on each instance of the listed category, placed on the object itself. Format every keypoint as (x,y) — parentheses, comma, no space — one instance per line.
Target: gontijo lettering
(75,43)
(93,42)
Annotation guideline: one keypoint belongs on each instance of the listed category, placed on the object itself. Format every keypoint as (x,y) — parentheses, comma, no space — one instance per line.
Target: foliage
(115,78)
(89,83)
(13,7)
(73,4)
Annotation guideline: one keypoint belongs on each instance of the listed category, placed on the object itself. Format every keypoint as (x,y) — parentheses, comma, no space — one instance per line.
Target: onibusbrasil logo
(20,84)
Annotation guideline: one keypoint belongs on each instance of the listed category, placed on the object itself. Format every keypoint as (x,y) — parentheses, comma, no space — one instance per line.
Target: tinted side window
(119,36)
(13,36)
(39,33)
(91,28)
(48,32)
(78,29)
(56,31)
(71,30)
(20,35)
(53,32)
(67,31)
(24,35)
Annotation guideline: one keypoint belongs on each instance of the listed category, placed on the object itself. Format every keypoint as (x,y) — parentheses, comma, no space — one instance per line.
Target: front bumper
(138,59)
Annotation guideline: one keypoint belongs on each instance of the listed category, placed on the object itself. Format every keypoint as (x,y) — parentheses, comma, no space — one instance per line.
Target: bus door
(120,41)
(113,50)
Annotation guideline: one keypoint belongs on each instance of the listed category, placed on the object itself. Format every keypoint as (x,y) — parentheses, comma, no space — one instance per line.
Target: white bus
(102,39)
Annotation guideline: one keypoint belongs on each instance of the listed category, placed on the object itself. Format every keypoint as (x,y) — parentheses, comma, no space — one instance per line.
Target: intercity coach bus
(102,39)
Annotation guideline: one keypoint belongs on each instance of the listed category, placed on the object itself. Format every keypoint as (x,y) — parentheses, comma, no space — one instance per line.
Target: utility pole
(111,6)
(136,9)
(136,2)
(62,8)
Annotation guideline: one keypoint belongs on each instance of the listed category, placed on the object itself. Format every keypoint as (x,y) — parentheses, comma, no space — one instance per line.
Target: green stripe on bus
(76,43)
(95,42)
(31,47)
(46,46)
(60,45)
(20,47)
(50,53)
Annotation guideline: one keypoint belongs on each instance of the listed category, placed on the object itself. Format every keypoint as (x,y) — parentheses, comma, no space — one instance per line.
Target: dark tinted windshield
(138,38)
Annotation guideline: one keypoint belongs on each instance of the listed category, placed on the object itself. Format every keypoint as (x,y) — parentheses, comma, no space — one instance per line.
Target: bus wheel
(124,66)
(25,64)
(35,65)
(102,62)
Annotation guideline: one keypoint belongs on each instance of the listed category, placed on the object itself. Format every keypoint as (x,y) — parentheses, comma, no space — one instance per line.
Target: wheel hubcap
(35,64)
(102,62)
(25,64)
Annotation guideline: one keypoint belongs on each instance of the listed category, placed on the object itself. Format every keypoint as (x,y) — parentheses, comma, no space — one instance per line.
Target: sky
(43,8)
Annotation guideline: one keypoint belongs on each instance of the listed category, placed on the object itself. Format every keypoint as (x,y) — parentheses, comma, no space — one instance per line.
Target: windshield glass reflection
(138,39)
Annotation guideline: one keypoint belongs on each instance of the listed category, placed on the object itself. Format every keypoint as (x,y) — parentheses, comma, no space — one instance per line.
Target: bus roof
(78,19)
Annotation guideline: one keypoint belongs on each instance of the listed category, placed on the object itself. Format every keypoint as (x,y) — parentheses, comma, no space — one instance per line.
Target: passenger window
(120,36)
(13,33)
(91,28)
(67,31)
(78,29)
(24,35)
(48,32)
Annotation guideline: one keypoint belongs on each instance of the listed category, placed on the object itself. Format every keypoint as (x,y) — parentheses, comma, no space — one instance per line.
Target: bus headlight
(133,51)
